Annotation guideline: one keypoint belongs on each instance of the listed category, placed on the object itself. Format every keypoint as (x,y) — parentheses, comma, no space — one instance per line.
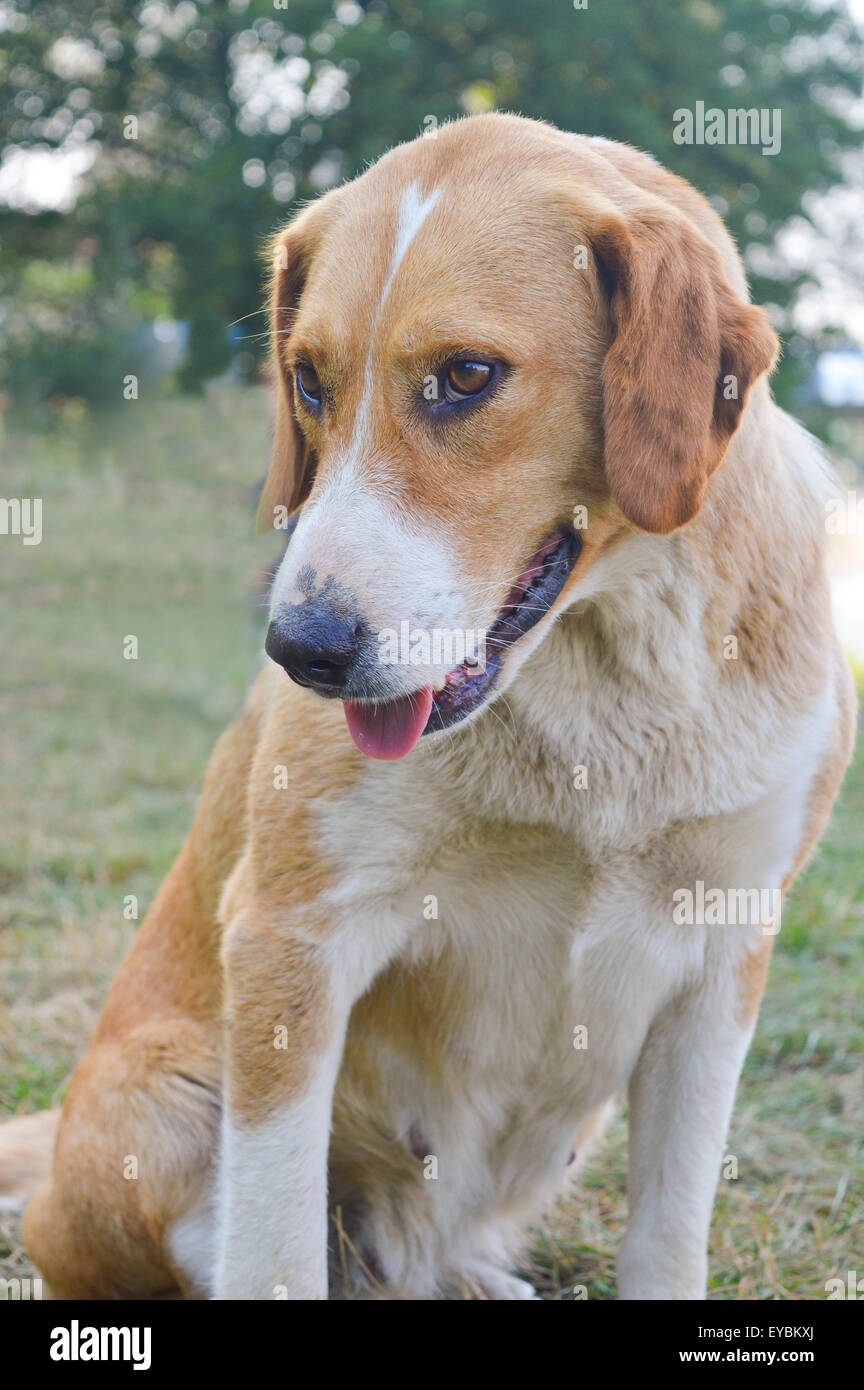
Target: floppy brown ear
(292,467)
(677,375)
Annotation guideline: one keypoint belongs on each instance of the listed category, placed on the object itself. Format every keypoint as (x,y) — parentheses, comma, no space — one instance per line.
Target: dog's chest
(518,1003)
(530,913)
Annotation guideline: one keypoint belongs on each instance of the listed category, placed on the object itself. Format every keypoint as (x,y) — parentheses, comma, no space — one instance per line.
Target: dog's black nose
(315,645)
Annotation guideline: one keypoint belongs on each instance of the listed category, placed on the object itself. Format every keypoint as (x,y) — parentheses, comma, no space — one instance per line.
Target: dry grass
(147,521)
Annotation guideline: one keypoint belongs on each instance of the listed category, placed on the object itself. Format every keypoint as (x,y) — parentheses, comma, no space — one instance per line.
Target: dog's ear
(292,467)
(685,353)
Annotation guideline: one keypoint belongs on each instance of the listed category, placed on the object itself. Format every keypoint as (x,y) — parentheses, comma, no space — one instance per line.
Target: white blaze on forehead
(413,211)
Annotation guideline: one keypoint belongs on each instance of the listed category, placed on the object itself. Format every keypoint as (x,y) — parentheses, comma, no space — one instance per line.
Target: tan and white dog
(425,930)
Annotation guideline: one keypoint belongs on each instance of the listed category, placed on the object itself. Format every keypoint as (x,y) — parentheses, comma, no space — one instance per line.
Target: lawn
(147,532)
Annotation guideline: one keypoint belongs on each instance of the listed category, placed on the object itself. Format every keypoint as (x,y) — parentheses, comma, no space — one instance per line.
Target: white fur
(353,534)
(192,1242)
(261,1253)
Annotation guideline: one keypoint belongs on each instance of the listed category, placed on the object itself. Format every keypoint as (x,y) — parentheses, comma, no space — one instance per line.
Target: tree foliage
(208,121)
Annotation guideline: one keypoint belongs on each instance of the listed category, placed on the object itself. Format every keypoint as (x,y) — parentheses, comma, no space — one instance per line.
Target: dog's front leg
(288,996)
(681,1097)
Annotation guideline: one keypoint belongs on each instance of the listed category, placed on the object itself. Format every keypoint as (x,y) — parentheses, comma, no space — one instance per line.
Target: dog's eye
(463,379)
(308,385)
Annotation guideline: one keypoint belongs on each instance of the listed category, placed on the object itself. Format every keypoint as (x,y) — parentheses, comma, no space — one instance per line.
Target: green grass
(147,531)
(147,520)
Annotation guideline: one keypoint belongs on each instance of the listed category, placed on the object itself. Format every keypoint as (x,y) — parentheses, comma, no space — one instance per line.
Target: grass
(147,520)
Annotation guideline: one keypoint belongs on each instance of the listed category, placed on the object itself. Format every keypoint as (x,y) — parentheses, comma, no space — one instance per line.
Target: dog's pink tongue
(389,730)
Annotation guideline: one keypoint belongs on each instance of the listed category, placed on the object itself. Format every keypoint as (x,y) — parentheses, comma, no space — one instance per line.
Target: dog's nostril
(328,672)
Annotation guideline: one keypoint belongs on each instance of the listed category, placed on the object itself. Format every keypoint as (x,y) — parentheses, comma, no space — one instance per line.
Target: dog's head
(495,352)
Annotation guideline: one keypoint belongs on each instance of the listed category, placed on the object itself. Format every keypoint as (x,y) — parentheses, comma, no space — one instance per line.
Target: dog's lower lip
(555,559)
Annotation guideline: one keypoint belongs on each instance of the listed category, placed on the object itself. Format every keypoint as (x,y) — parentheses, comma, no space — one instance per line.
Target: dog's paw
(509,1286)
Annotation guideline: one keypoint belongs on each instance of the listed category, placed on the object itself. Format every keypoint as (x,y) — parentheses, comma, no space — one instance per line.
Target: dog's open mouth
(391,729)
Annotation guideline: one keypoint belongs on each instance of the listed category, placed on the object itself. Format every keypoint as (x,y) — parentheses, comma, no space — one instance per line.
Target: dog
(427,924)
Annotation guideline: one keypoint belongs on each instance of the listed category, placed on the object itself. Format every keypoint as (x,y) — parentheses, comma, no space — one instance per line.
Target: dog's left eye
(308,385)
(465,378)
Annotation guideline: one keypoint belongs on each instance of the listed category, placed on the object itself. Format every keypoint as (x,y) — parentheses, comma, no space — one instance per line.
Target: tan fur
(295,1001)
(297,910)
(750,978)
(148,1084)
(667,420)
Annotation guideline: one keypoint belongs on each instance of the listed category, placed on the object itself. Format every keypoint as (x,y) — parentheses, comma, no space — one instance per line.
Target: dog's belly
(475,1060)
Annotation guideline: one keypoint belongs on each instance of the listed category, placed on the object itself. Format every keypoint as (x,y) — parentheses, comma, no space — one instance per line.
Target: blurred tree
(207,121)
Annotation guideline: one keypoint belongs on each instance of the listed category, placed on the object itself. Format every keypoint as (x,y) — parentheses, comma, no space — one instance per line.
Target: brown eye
(463,379)
(308,385)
